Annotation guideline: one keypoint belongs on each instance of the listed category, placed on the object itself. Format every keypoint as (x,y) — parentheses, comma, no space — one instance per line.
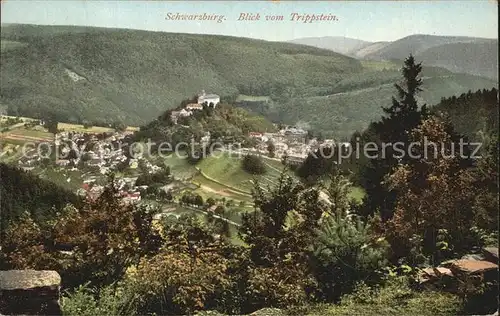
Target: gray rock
(473,257)
(29,292)
(491,254)
(28,279)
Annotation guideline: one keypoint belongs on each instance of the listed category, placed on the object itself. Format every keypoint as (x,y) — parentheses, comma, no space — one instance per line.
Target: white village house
(174,115)
(210,99)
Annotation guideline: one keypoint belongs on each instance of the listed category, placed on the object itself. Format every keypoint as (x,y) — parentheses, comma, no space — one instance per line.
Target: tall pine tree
(404,114)
(400,119)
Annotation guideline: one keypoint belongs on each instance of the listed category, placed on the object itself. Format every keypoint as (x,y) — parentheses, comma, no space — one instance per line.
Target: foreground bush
(93,243)
(253,165)
(110,300)
(175,283)
(395,298)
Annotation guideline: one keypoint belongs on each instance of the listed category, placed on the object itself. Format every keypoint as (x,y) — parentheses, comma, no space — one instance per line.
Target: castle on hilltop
(210,99)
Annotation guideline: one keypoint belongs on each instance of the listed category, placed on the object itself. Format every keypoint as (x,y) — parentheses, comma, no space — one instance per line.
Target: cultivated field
(222,176)
(92,129)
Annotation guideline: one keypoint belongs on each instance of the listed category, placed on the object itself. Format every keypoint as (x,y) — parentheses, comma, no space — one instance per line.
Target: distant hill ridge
(454,53)
(339,44)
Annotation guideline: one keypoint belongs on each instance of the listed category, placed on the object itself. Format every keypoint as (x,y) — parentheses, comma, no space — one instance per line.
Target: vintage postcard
(249,157)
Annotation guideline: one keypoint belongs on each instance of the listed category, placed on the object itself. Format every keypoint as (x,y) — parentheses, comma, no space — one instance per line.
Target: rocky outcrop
(464,267)
(476,269)
(491,254)
(29,292)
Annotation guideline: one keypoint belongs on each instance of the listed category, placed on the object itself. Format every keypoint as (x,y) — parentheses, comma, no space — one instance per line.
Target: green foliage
(278,234)
(400,119)
(178,283)
(475,58)
(318,165)
(471,113)
(340,113)
(338,191)
(95,242)
(345,251)
(51,125)
(168,195)
(159,177)
(279,286)
(132,75)
(9,121)
(486,179)
(394,298)
(191,272)
(210,202)
(459,54)
(300,248)
(271,148)
(253,165)
(223,171)
(225,123)
(86,301)
(23,192)
(119,126)
(192,199)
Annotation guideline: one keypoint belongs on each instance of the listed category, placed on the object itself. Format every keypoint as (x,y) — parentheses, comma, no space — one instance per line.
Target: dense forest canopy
(84,74)
(471,112)
(22,192)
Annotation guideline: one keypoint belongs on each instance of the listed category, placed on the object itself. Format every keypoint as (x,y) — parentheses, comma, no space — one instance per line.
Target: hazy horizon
(367,21)
(306,37)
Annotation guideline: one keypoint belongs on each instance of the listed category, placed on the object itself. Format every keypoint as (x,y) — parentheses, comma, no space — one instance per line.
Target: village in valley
(212,164)
(83,158)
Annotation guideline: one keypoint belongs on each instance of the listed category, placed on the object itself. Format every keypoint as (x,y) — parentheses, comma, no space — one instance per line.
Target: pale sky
(367,20)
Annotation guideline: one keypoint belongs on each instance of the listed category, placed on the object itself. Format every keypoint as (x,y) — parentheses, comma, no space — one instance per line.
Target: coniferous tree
(344,250)
(404,114)
(400,119)
(279,234)
(435,198)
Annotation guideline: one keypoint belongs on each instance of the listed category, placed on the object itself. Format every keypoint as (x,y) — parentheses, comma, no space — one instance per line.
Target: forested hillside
(22,192)
(479,58)
(132,75)
(305,247)
(224,121)
(339,44)
(340,114)
(78,74)
(417,44)
(472,113)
